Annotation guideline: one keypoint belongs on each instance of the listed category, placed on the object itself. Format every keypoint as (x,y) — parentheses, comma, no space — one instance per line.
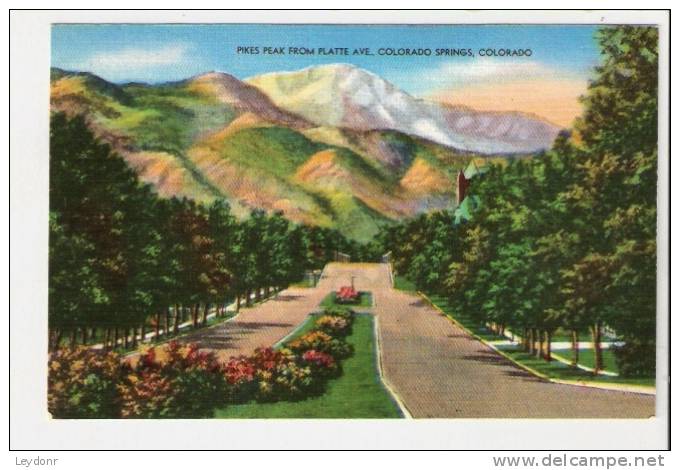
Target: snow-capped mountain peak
(346,96)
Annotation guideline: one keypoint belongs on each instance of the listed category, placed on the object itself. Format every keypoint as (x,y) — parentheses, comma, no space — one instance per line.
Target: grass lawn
(586,357)
(306,282)
(480,330)
(401,283)
(310,279)
(559,370)
(365,300)
(554,369)
(562,335)
(357,393)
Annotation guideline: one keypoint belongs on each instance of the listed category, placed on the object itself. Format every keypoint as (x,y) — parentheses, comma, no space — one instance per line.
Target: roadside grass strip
(586,360)
(357,393)
(402,283)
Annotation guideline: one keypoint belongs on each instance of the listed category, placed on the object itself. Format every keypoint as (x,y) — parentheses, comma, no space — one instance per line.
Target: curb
(613,387)
(378,353)
(389,269)
(293,332)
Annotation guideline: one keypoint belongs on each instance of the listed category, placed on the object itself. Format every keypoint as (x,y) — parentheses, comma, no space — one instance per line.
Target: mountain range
(333,145)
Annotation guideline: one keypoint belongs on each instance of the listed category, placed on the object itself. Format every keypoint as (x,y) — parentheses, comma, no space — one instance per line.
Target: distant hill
(215,136)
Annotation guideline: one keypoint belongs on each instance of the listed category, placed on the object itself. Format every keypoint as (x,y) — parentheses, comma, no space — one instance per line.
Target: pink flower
(318,358)
(347,294)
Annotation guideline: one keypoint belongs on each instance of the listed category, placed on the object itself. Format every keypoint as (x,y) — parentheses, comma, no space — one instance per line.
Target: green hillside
(447,160)
(170,118)
(274,157)
(140,118)
(274,150)
(217,140)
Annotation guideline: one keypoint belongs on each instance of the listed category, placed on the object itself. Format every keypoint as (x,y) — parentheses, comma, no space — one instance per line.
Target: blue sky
(159,53)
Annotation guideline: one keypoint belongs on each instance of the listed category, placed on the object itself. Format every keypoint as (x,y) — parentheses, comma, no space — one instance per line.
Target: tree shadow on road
(492,358)
(458,335)
(251,326)
(524,375)
(226,336)
(287,297)
(487,358)
(216,343)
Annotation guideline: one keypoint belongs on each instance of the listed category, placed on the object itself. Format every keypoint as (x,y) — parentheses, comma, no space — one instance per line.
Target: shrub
(186,383)
(333,325)
(179,381)
(320,341)
(240,375)
(339,311)
(181,358)
(279,377)
(636,358)
(82,383)
(312,340)
(268,359)
(322,364)
(147,394)
(292,381)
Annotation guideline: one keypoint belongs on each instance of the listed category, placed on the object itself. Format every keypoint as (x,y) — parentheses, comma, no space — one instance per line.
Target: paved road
(440,371)
(266,323)
(437,369)
(258,326)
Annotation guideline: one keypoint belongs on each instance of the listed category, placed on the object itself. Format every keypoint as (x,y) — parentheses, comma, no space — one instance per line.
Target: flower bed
(333,325)
(347,295)
(361,299)
(356,393)
(84,384)
(179,381)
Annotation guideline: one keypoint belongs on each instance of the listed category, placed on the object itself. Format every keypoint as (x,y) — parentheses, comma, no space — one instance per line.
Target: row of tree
(567,239)
(123,260)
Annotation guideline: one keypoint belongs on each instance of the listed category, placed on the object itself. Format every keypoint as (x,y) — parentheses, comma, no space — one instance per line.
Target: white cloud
(484,70)
(477,71)
(135,60)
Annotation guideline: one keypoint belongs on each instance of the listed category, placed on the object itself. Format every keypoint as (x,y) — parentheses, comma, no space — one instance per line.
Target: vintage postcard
(394,221)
